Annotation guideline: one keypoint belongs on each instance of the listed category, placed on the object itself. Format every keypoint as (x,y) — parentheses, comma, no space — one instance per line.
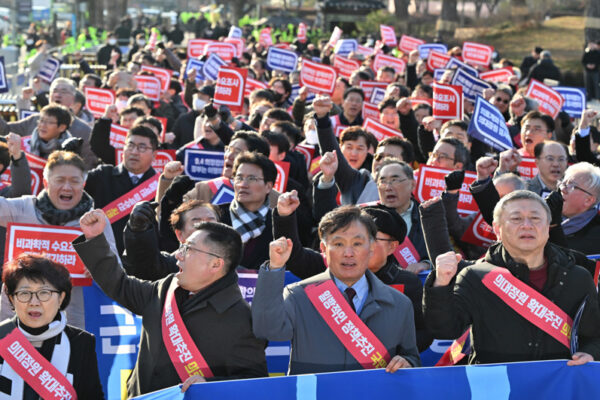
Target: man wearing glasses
(106,182)
(580,189)
(551,160)
(196,325)
(535,128)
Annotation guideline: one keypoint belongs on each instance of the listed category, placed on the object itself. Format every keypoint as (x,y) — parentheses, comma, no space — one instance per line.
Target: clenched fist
(279,252)
(92,223)
(446,266)
(287,203)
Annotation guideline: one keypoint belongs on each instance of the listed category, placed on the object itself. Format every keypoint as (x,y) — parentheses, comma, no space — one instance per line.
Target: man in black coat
(106,183)
(544,69)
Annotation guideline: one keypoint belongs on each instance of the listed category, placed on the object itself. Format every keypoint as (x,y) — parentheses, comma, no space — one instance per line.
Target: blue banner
(378,95)
(3,81)
(202,165)
(49,70)
(472,86)
(224,195)
(282,60)
(295,90)
(456,63)
(26,113)
(210,69)
(574,104)
(488,125)
(513,381)
(117,333)
(437,74)
(345,46)
(424,49)
(235,32)
(199,65)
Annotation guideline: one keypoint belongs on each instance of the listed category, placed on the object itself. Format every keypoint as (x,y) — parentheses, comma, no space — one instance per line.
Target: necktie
(135,179)
(350,293)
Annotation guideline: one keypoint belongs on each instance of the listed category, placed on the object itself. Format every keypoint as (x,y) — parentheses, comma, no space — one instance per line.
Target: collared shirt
(362,290)
(407,217)
(138,176)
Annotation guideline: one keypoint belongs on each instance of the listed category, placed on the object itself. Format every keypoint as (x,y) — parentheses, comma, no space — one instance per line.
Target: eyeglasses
(552,159)
(184,248)
(232,149)
(42,121)
(533,128)
(250,179)
(25,296)
(393,181)
(440,156)
(569,187)
(501,100)
(142,148)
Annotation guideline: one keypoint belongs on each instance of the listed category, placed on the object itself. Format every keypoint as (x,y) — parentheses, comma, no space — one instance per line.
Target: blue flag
(202,165)
(488,126)
(574,104)
(472,86)
(210,69)
(281,60)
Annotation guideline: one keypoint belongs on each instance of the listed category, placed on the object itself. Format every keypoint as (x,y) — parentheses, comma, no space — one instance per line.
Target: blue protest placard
(472,86)
(456,63)
(198,65)
(295,90)
(437,74)
(26,113)
(210,69)
(574,104)
(345,46)
(378,95)
(202,165)
(235,32)
(224,195)
(49,70)
(3,81)
(117,333)
(424,49)
(281,60)
(488,125)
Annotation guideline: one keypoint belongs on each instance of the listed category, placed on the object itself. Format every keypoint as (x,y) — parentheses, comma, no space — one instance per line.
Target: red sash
(355,336)
(122,206)
(406,253)
(33,368)
(530,304)
(215,184)
(194,145)
(183,352)
(596,273)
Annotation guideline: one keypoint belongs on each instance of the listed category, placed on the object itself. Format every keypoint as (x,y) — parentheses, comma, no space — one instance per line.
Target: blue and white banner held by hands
(282,60)
(488,125)
(472,86)
(575,102)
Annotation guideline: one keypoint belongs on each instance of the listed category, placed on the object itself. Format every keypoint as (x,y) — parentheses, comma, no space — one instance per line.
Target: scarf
(42,148)
(54,216)
(247,223)
(576,223)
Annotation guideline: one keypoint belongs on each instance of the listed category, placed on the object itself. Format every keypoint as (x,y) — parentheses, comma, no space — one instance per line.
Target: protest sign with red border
(229,90)
(159,162)
(418,100)
(96,100)
(224,50)
(370,110)
(437,60)
(36,179)
(388,35)
(549,100)
(307,151)
(431,183)
(26,143)
(345,66)
(479,233)
(364,50)
(195,47)
(369,86)
(239,43)
(252,85)
(382,60)
(318,77)
(497,75)
(122,206)
(527,169)
(379,130)
(265,38)
(409,43)
(118,136)
(53,241)
(283,171)
(163,74)
(301,32)
(447,101)
(35,161)
(149,85)
(477,53)
(336,34)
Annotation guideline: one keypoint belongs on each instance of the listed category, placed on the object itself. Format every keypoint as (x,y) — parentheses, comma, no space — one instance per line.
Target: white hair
(590,176)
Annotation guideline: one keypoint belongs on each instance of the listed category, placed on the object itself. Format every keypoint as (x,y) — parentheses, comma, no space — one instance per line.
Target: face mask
(311,136)
(121,104)
(112,42)
(277,97)
(199,104)
(141,43)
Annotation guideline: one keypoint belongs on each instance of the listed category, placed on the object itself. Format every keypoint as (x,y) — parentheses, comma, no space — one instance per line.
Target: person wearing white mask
(104,53)
(184,124)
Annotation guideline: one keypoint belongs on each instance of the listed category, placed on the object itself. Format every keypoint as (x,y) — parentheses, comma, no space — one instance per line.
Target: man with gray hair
(521,299)
(580,190)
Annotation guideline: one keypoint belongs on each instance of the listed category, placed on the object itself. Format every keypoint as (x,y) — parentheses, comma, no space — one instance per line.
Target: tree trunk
(401,8)
(446,23)
(592,21)
(519,10)
(116,10)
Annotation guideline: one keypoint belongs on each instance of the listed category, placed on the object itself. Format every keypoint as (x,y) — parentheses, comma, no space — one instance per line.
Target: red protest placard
(118,136)
(36,179)
(497,75)
(345,66)
(527,168)
(335,36)
(409,43)
(364,50)
(382,60)
(447,101)
(379,130)
(318,77)
(406,253)
(431,183)
(479,233)
(26,144)
(549,100)
(195,47)
(96,100)
(252,85)
(370,110)
(122,206)
(163,74)
(302,32)
(35,161)
(230,87)
(265,37)
(418,100)
(437,60)
(307,151)
(224,50)
(283,171)
(239,43)
(149,85)
(368,86)
(477,53)
(388,35)
(52,241)
(159,162)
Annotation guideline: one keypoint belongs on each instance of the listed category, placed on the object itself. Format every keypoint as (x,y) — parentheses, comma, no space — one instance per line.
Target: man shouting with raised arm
(196,326)
(344,318)
(526,300)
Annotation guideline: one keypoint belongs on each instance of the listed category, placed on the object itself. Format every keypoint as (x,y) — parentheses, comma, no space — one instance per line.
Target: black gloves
(73,145)
(142,216)
(454,180)
(209,110)
(555,202)
(180,186)
(225,114)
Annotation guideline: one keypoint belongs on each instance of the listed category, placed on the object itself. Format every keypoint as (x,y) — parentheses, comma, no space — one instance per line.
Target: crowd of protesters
(347,220)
